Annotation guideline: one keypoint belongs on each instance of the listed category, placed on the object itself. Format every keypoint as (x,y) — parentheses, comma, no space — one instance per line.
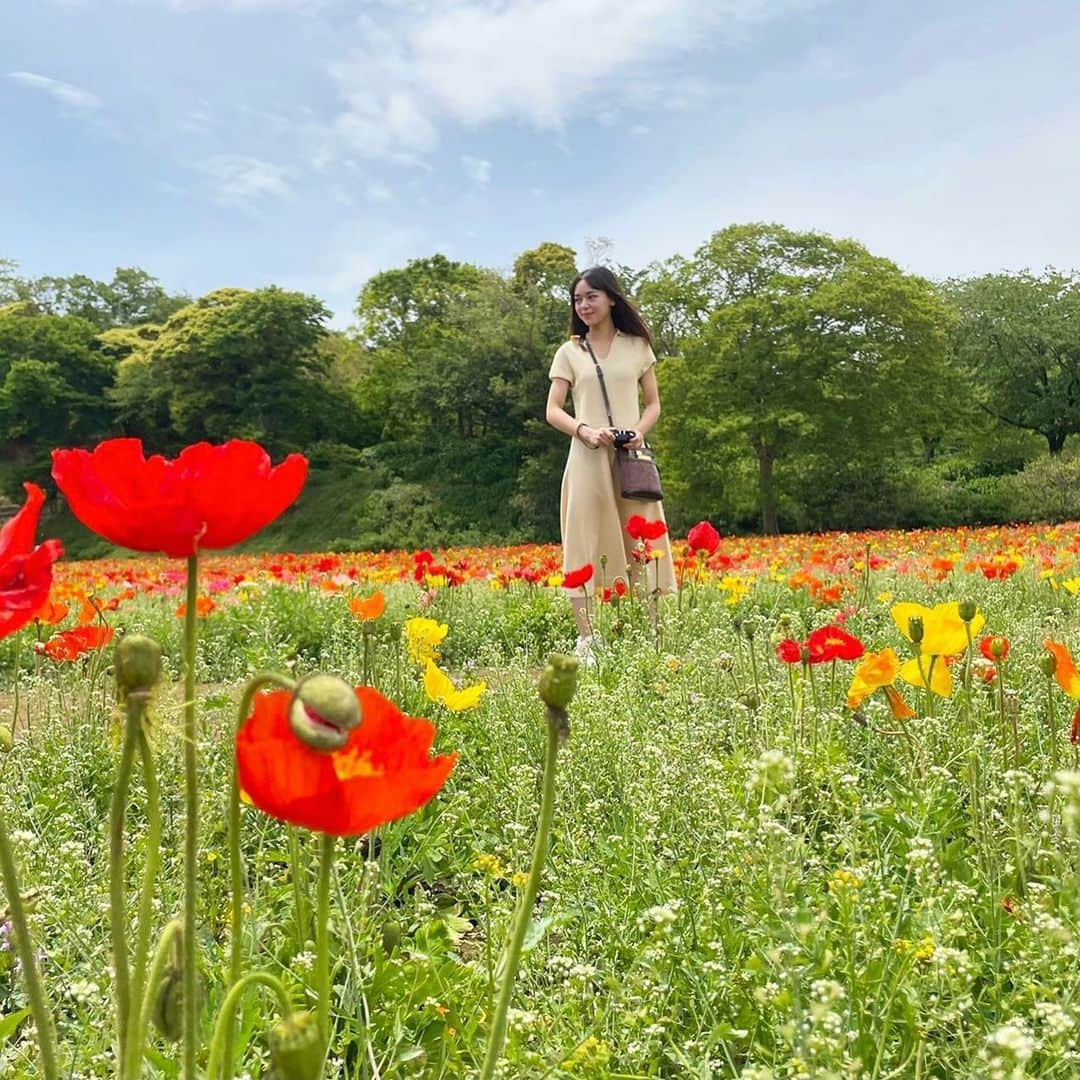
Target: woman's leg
(580,606)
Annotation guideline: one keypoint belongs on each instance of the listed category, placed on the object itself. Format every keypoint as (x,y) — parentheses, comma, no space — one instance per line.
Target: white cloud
(478,169)
(182,7)
(941,169)
(474,62)
(241,181)
(378,192)
(67,94)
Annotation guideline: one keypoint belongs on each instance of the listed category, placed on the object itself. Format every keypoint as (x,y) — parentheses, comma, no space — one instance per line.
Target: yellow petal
(437,685)
(441,689)
(903,612)
(940,679)
(945,633)
(466,698)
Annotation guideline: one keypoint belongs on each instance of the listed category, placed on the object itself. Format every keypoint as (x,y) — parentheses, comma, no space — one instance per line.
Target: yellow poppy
(440,688)
(944,632)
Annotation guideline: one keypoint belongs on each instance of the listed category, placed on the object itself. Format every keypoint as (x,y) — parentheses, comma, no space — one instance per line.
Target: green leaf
(9,1024)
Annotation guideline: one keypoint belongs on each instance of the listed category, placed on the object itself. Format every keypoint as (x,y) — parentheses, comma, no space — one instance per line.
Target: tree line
(806,384)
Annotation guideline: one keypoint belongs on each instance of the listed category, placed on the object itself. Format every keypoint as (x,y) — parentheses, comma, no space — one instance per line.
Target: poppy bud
(138,664)
(915,628)
(7,740)
(725,661)
(558,681)
(1048,664)
(749,627)
(168,1014)
(968,609)
(297,1047)
(324,710)
(391,935)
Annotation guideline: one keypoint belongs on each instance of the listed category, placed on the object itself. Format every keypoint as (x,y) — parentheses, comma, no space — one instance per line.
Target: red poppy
(25,570)
(831,643)
(208,497)
(994,647)
(575,579)
(641,529)
(790,651)
(703,537)
(620,587)
(71,644)
(383,772)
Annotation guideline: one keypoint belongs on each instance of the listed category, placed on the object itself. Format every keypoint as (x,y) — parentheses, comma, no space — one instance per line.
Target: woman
(592,513)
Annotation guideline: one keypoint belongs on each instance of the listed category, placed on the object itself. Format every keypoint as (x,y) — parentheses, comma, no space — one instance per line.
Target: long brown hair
(623,314)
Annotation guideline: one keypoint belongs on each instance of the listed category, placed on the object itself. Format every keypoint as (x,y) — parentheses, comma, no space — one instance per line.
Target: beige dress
(592,514)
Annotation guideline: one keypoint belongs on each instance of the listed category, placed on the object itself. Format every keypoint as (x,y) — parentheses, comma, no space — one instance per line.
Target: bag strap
(600,376)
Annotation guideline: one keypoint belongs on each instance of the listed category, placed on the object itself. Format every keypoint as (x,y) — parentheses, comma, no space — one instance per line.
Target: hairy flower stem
(322,934)
(226,1018)
(556,725)
(191,831)
(140,1018)
(35,992)
(134,1047)
(1053,725)
(236,870)
(117,899)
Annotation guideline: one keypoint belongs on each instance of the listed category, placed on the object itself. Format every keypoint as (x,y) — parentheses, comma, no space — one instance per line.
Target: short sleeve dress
(592,514)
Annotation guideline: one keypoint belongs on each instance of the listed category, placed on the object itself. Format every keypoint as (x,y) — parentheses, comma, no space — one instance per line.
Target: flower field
(817,815)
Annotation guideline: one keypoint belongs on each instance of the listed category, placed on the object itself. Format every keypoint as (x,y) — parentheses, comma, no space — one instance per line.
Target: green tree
(1018,337)
(803,345)
(244,364)
(60,355)
(132,296)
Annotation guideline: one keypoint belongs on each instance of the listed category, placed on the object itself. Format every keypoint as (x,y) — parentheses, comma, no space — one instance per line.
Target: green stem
(367,656)
(236,870)
(141,1019)
(134,1049)
(117,899)
(1053,726)
(191,831)
(39,1006)
(322,931)
(298,876)
(497,1036)
(225,1021)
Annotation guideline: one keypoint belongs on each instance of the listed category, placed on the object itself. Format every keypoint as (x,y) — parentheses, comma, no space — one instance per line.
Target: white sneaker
(585,651)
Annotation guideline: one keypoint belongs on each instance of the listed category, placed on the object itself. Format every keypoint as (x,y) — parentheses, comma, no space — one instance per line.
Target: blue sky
(312,143)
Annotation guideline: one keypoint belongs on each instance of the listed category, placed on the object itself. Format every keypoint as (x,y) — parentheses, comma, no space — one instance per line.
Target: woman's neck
(602,333)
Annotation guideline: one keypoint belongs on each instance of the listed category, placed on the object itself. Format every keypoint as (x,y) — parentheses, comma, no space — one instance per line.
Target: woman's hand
(595,437)
(637,442)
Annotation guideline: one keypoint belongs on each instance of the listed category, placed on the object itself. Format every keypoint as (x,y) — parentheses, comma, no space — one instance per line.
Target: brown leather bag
(636,473)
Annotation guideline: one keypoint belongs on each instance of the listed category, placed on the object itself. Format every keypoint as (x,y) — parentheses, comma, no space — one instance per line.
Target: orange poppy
(71,644)
(204,605)
(52,612)
(383,772)
(367,608)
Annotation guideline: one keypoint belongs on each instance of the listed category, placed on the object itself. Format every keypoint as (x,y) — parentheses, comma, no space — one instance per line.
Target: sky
(313,143)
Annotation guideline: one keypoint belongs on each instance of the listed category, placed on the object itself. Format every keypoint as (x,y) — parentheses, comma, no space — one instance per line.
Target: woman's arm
(650,392)
(561,420)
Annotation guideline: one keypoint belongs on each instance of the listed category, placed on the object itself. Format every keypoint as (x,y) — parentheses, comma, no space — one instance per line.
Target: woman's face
(592,305)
